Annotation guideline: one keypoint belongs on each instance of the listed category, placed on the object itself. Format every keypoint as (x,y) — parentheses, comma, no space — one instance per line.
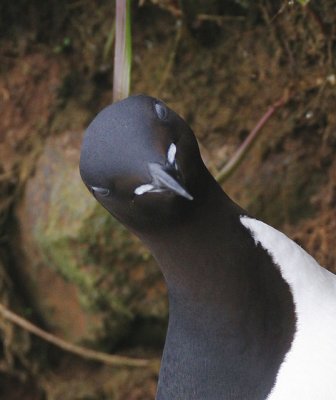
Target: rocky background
(65,264)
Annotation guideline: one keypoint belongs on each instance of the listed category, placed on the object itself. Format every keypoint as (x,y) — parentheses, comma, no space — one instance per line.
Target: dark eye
(101,191)
(161,110)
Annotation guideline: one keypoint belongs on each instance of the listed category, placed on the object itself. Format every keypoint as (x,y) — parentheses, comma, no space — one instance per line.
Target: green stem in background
(237,158)
(108,44)
(123,50)
(303,2)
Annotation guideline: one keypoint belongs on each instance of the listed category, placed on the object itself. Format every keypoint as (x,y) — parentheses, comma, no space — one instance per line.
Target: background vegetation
(68,267)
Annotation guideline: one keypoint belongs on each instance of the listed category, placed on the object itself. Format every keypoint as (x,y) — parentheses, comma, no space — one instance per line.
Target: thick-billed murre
(251,315)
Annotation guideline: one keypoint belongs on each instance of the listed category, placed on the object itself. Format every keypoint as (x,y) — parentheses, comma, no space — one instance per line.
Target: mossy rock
(67,236)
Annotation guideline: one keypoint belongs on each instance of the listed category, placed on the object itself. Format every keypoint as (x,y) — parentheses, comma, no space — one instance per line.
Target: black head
(141,162)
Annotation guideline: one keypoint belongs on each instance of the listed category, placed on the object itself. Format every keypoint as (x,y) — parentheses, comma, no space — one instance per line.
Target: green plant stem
(123,50)
(109,43)
(171,59)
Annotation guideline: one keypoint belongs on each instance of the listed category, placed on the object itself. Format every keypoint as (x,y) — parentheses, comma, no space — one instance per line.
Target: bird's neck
(196,253)
(228,303)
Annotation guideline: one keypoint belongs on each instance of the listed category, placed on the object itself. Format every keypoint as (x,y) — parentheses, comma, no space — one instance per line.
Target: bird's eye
(161,110)
(101,191)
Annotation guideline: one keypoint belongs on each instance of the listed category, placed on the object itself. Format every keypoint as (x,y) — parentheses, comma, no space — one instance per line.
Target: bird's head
(141,161)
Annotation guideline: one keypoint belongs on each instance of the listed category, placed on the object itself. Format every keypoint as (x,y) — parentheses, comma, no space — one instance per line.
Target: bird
(252,316)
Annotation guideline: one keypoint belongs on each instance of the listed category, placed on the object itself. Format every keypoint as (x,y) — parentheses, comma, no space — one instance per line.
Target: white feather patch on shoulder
(308,371)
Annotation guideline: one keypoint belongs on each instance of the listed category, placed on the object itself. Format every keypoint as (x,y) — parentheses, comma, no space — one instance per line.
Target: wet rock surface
(89,277)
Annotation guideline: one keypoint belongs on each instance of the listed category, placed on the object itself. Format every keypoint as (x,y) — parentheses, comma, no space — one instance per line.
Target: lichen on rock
(67,234)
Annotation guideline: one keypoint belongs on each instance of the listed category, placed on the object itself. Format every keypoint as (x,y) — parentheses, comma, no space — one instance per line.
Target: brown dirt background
(220,66)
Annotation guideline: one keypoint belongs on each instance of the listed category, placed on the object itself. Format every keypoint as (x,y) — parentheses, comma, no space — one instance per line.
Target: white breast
(308,371)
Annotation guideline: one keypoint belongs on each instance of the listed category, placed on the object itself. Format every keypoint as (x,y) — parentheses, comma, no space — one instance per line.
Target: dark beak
(164,180)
